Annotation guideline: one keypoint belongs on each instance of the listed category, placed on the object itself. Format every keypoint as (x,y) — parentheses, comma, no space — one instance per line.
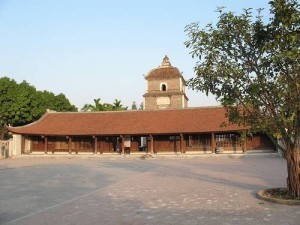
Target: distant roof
(164,71)
(140,122)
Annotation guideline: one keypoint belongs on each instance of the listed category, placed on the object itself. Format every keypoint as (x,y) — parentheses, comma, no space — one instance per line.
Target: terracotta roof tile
(164,73)
(190,120)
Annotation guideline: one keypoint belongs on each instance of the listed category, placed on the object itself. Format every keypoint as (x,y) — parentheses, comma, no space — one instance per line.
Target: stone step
(261,151)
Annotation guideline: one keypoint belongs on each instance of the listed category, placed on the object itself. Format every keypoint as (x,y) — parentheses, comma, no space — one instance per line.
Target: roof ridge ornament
(166,62)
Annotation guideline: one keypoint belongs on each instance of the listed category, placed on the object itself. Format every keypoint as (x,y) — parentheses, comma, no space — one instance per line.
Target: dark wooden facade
(172,143)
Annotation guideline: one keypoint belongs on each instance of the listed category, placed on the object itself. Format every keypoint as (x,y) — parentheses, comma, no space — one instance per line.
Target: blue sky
(101,49)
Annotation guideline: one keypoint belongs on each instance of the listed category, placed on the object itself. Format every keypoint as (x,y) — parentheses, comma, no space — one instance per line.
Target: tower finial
(166,62)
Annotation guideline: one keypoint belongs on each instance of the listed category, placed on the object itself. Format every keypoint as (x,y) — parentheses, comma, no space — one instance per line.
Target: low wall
(4,149)
(11,147)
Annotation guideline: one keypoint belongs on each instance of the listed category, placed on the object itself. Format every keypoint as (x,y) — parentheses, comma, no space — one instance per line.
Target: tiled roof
(164,73)
(190,120)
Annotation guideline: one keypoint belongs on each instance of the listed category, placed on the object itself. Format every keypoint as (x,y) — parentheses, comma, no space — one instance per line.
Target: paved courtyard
(131,190)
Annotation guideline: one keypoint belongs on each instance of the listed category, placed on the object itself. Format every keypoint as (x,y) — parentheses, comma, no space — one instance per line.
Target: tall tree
(8,91)
(252,68)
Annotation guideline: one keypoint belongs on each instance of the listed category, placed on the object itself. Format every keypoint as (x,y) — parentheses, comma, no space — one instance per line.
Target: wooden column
(95,145)
(213,142)
(30,146)
(122,144)
(101,145)
(245,141)
(53,146)
(70,145)
(181,144)
(151,144)
(46,145)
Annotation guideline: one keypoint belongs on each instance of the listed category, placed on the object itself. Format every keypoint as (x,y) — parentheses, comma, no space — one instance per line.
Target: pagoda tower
(165,88)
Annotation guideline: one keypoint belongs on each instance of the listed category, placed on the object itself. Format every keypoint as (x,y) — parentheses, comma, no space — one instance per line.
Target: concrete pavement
(129,190)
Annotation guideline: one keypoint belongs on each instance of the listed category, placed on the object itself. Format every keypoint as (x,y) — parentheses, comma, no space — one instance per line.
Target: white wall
(15,145)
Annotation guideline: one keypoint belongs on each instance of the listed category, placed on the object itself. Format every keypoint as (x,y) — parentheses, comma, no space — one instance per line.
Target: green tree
(133,106)
(98,106)
(22,104)
(19,103)
(252,67)
(141,106)
(56,102)
(8,89)
(117,106)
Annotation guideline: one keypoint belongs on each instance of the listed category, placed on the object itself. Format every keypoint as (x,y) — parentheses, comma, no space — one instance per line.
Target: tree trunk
(293,169)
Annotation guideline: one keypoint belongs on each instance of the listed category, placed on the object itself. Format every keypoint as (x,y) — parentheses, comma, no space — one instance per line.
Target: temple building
(166,125)
(165,88)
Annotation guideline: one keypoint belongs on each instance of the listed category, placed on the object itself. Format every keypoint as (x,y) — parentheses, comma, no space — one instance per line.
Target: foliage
(98,106)
(133,106)
(22,104)
(58,102)
(141,106)
(253,70)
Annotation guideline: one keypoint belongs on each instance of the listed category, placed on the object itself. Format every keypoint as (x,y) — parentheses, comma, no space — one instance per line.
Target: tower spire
(165,62)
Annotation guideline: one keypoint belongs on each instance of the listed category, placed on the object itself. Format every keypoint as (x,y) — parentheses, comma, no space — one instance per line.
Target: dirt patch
(278,195)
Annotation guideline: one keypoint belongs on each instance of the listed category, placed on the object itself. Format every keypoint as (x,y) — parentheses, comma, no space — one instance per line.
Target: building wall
(156,98)
(260,142)
(157,102)
(15,145)
(172,84)
(176,102)
(186,104)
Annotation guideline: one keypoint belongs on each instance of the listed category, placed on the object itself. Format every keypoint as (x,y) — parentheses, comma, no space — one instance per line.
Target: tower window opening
(164,87)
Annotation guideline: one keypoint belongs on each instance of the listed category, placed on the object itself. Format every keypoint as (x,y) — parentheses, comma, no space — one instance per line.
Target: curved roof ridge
(32,123)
